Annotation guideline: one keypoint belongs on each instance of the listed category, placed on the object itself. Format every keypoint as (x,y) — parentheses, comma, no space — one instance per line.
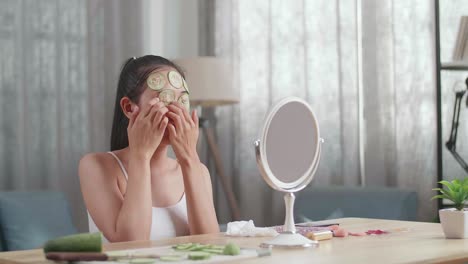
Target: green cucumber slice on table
(142,261)
(199,255)
(231,249)
(85,242)
(182,246)
(194,245)
(199,248)
(213,251)
(171,258)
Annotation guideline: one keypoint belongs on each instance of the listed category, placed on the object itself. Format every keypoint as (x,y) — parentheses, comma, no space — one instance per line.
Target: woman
(136,192)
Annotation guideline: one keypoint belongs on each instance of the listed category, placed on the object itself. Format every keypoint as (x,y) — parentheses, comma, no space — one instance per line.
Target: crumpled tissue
(247,228)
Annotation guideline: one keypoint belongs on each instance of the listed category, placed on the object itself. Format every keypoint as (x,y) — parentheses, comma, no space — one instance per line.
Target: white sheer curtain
(59,65)
(310,49)
(43,87)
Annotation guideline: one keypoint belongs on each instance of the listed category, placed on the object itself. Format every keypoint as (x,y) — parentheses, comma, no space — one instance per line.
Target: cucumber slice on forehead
(156,81)
(175,79)
(167,96)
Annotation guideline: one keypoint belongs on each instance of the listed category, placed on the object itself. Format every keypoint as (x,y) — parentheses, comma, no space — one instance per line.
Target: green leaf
(455,191)
(447,184)
(440,196)
(451,196)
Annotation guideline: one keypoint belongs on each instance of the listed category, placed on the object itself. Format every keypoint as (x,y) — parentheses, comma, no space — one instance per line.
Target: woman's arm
(198,190)
(119,218)
(130,217)
(183,134)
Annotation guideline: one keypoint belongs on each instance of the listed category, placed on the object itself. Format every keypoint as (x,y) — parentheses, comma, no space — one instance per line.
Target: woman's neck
(159,157)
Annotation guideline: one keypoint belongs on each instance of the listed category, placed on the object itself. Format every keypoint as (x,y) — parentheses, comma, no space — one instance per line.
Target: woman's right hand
(146,128)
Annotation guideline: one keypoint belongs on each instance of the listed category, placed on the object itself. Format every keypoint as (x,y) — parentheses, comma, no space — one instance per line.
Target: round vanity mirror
(288,154)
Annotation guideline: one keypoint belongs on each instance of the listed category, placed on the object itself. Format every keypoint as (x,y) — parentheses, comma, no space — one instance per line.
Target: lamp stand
(214,150)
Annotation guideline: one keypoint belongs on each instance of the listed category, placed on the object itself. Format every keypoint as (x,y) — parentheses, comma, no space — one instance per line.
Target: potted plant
(454,220)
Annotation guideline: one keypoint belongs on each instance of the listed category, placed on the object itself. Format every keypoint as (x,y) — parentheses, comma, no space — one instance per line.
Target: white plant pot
(454,223)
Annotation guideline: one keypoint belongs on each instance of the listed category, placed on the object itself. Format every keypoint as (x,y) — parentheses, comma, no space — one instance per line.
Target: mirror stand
(289,237)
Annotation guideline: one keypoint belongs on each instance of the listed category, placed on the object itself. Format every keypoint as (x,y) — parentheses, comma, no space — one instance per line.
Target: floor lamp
(209,81)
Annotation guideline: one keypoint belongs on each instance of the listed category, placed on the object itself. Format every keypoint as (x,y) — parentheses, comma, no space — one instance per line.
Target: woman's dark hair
(132,81)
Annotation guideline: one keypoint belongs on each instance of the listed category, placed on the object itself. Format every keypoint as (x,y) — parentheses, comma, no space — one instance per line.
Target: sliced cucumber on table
(142,261)
(199,255)
(231,249)
(171,258)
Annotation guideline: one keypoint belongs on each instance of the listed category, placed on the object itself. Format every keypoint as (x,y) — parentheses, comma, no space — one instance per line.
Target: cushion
(29,219)
(319,203)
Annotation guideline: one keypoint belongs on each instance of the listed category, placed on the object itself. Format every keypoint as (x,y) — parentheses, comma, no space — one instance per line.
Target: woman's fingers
(161,112)
(154,110)
(176,120)
(148,107)
(172,130)
(163,124)
(177,108)
(195,118)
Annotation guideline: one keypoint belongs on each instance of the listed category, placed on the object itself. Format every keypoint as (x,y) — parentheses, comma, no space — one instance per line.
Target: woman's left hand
(183,132)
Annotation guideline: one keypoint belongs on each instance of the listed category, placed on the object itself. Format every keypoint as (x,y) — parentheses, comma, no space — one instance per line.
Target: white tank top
(167,222)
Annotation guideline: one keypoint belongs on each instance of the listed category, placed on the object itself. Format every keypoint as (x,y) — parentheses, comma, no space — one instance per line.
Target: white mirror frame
(261,157)
(288,238)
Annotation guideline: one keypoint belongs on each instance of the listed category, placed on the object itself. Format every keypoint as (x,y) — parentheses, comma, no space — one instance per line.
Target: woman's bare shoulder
(94,164)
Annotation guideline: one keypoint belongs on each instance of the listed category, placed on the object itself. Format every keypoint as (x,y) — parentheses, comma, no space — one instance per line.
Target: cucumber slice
(185,247)
(231,249)
(182,246)
(186,86)
(175,79)
(198,248)
(218,247)
(199,255)
(213,251)
(142,261)
(171,258)
(156,81)
(185,101)
(85,242)
(167,96)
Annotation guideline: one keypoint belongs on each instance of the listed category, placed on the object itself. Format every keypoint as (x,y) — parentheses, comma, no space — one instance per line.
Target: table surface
(414,242)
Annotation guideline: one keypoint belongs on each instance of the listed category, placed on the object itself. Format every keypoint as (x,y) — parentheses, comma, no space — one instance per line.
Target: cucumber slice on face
(142,261)
(185,101)
(185,86)
(199,255)
(167,96)
(175,79)
(156,81)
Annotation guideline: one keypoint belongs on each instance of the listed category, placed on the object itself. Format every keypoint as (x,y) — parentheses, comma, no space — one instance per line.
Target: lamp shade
(209,81)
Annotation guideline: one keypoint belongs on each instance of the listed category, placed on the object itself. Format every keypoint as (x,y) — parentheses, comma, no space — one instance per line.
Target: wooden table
(421,243)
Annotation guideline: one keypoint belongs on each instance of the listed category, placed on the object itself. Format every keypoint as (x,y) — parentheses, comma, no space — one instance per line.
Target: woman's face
(169,86)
